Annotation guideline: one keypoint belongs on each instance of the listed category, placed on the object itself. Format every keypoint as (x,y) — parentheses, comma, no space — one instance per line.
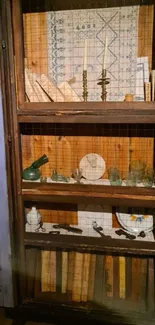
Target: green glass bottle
(32,173)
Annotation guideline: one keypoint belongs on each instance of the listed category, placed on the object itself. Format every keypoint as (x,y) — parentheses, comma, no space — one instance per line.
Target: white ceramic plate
(93,166)
(136,221)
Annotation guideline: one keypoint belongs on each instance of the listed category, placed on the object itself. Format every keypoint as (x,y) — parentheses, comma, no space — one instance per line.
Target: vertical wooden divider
(19,49)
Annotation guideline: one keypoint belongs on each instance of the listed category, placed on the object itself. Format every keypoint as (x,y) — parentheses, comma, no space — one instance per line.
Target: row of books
(96,277)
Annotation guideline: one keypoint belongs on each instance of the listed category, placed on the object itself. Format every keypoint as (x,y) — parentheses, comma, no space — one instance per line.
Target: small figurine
(77,174)
(59,178)
(32,173)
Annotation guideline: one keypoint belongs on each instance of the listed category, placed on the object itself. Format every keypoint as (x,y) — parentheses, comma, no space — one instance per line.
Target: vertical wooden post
(9,95)
(19,49)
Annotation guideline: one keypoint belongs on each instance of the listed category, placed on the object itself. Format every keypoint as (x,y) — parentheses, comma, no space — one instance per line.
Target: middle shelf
(81,193)
(110,245)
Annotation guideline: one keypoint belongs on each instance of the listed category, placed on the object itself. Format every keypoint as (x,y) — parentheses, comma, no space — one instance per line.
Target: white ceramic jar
(33,217)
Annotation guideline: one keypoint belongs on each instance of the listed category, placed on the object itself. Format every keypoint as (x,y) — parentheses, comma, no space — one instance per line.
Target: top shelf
(90,112)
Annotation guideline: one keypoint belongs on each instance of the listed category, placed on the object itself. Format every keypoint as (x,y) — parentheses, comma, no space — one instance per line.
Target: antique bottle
(33,217)
(32,173)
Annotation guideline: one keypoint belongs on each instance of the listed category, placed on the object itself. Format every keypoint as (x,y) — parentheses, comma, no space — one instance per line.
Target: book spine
(77,280)
(92,267)
(71,262)
(53,271)
(64,271)
(85,277)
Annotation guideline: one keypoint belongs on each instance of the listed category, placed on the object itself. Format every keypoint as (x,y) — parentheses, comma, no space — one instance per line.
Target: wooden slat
(151,285)
(145,32)
(71,262)
(128,277)
(99,279)
(109,275)
(45,272)
(53,272)
(116,275)
(35,42)
(64,271)
(91,276)
(18,46)
(85,277)
(77,280)
(143,149)
(58,272)
(31,261)
(122,275)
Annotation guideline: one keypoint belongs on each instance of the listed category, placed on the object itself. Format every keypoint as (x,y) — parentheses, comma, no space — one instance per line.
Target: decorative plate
(93,166)
(136,221)
(90,214)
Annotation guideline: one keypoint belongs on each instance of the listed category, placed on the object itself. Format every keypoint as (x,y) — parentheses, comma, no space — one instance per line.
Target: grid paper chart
(67,31)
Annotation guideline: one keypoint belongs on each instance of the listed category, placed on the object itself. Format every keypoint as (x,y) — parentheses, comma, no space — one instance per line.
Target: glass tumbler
(138,168)
(131,179)
(148,178)
(114,176)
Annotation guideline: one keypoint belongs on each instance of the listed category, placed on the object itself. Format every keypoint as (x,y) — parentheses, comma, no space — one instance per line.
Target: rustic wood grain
(77,280)
(145,32)
(91,282)
(35,42)
(71,262)
(85,277)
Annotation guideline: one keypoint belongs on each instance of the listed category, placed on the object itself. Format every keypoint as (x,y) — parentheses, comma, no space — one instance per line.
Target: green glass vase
(32,173)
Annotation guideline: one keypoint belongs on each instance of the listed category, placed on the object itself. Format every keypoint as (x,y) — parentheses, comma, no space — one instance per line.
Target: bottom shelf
(95,285)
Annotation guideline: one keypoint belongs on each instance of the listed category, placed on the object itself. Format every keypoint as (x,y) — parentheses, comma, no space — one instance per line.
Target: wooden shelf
(75,193)
(82,243)
(90,112)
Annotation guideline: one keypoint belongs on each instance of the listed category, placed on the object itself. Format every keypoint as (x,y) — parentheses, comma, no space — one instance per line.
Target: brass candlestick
(85,92)
(103,82)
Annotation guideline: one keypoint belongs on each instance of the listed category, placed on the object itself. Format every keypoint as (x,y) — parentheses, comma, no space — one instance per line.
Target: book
(91,281)
(147,88)
(58,271)
(71,262)
(45,271)
(64,271)
(109,275)
(85,277)
(69,93)
(53,271)
(50,89)
(122,277)
(77,279)
(30,91)
(99,279)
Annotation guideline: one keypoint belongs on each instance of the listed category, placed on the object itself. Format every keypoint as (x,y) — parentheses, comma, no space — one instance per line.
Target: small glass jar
(114,176)
(148,178)
(138,168)
(131,179)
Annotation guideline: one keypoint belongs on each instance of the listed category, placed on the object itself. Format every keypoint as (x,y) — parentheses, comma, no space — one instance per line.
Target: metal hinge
(3,45)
